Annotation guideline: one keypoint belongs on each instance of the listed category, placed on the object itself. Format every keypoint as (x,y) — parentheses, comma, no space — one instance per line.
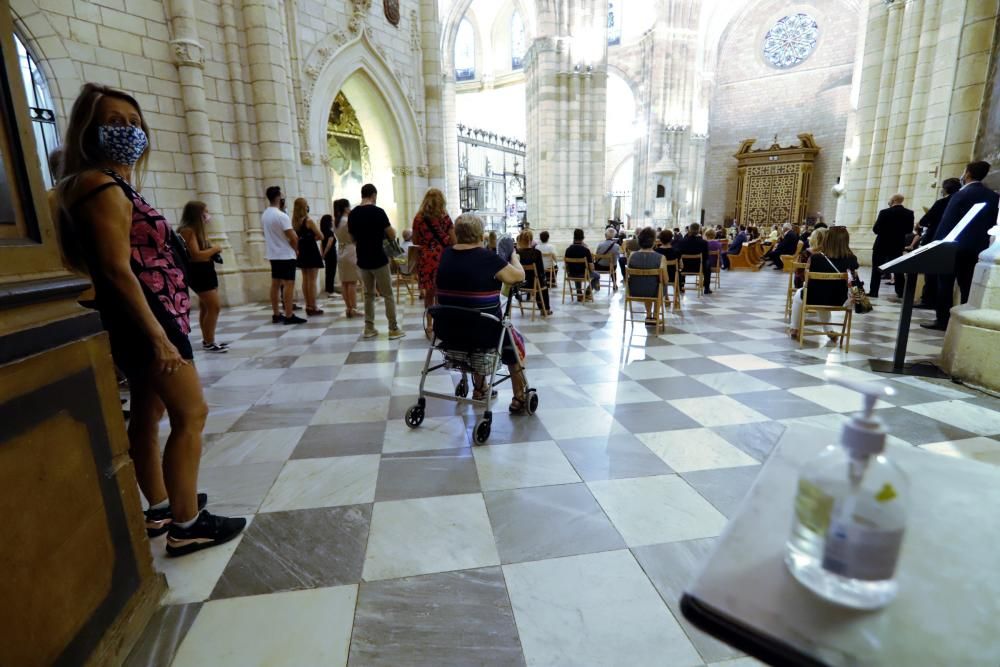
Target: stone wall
(236,94)
(753,99)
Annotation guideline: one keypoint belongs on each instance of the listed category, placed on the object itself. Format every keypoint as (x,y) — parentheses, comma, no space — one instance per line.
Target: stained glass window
(518,42)
(614,22)
(791,40)
(40,108)
(465,52)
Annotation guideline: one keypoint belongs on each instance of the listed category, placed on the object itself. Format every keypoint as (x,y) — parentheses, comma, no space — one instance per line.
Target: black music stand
(937,257)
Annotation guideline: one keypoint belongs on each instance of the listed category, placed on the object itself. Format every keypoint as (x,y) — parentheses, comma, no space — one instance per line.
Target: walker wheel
(531,402)
(482,431)
(462,390)
(414,416)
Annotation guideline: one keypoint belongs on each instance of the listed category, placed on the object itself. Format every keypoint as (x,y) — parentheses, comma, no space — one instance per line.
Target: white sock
(162,505)
(187,524)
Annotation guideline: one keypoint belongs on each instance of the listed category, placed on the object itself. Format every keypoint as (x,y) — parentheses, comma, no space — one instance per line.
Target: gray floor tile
(612,457)
(277,415)
(308,374)
(918,429)
(437,620)
(284,551)
(785,378)
(549,522)
(443,472)
(340,440)
(381,356)
(671,567)
(756,439)
(370,388)
(682,387)
(649,417)
(698,365)
(780,404)
(163,634)
(723,487)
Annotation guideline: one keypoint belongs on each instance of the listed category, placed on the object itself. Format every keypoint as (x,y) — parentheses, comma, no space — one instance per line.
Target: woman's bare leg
(181,393)
(143,439)
(209,308)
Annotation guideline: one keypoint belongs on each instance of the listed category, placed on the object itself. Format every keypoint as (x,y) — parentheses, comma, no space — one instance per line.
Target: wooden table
(947,612)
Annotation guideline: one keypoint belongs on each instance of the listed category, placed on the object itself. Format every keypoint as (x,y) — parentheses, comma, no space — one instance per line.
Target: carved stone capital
(188,53)
(402,171)
(307,157)
(423,171)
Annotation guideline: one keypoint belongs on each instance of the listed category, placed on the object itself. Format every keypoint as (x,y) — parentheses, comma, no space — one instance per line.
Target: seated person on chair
(579,250)
(786,246)
(531,257)
(833,256)
(665,246)
(693,244)
(609,246)
(714,246)
(647,258)
(737,245)
(470,276)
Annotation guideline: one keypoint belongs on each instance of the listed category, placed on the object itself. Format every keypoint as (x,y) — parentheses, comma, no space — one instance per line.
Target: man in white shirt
(547,249)
(407,241)
(609,246)
(282,250)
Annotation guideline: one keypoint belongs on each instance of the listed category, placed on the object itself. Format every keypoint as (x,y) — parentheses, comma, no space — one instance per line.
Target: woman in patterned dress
(433,232)
(134,259)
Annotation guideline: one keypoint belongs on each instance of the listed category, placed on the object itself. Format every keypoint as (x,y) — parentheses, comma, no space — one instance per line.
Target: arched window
(518,42)
(40,108)
(465,52)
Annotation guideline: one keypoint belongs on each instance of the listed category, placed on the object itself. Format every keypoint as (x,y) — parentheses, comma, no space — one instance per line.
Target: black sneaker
(158,521)
(207,531)
(295,319)
(214,347)
(277,319)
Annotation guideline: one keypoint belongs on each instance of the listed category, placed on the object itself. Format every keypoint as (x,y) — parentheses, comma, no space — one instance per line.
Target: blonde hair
(433,205)
(837,242)
(192,218)
(300,213)
(817,239)
(524,239)
(469,228)
(710,234)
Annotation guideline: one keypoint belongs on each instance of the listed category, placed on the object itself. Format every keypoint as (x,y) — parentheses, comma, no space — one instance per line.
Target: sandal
(517,406)
(314,311)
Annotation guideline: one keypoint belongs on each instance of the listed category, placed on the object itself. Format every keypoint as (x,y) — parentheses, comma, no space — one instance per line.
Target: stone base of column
(971,350)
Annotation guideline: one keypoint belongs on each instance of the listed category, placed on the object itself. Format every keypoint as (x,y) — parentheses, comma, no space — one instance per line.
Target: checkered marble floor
(566,540)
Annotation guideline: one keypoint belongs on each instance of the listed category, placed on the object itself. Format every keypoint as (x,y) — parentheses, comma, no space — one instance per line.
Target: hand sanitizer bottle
(850,513)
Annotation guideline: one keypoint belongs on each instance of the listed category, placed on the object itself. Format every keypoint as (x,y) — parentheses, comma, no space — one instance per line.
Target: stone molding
(188,53)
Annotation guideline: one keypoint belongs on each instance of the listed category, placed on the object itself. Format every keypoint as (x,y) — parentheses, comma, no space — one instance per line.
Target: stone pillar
(190,63)
(254,235)
(971,350)
(436,131)
(566,89)
(450,141)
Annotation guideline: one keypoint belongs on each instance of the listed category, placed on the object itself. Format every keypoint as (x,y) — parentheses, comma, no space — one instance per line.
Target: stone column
(190,63)
(254,235)
(436,130)
(450,137)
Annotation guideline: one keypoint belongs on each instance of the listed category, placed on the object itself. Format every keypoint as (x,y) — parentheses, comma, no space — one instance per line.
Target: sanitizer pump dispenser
(850,512)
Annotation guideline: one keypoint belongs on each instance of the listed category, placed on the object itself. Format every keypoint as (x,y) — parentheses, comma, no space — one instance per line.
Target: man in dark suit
(891,228)
(694,244)
(786,246)
(929,224)
(971,241)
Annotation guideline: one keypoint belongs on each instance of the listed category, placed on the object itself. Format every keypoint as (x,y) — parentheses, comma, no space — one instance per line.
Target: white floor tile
(301,392)
(349,410)
(425,535)
(650,370)
(745,362)
(596,609)
(238,447)
(835,398)
(522,464)
(653,510)
(192,578)
(695,449)
(961,414)
(717,411)
(733,382)
(295,629)
(566,423)
(986,450)
(339,480)
(434,433)
(619,393)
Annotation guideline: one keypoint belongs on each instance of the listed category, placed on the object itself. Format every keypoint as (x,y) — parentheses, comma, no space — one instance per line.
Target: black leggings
(330,262)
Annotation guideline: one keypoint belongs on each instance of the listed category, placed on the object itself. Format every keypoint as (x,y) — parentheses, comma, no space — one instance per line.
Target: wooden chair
(553,270)
(657,302)
(611,273)
(533,293)
(686,262)
(674,286)
(715,267)
(791,287)
(406,274)
(578,279)
(794,257)
(844,337)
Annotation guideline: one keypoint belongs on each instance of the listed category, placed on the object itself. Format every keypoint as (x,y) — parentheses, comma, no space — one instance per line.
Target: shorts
(202,277)
(131,349)
(283,269)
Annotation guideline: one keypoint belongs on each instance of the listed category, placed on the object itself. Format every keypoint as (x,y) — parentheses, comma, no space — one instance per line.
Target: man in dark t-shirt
(579,251)
(369,226)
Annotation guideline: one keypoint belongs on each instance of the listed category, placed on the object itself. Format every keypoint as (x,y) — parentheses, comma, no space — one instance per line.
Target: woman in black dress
(201,272)
(310,261)
(329,252)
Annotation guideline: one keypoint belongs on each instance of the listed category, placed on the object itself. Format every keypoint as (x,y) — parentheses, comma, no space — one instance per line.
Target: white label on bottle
(859,552)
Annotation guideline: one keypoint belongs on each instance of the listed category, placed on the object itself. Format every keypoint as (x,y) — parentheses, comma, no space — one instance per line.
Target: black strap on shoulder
(93,193)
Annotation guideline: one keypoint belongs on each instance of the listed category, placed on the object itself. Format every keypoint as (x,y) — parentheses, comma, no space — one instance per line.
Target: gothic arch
(458,10)
(51,54)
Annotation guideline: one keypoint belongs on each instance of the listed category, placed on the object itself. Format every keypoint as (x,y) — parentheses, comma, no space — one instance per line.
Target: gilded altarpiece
(773,184)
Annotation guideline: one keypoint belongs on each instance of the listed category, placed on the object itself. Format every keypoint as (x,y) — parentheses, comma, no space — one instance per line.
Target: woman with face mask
(201,272)
(134,260)
(347,257)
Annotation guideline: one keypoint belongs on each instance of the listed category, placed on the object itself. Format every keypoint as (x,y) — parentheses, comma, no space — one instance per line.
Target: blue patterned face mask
(123,144)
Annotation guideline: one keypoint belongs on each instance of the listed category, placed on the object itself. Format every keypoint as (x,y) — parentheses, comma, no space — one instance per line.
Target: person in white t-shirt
(282,246)
(547,249)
